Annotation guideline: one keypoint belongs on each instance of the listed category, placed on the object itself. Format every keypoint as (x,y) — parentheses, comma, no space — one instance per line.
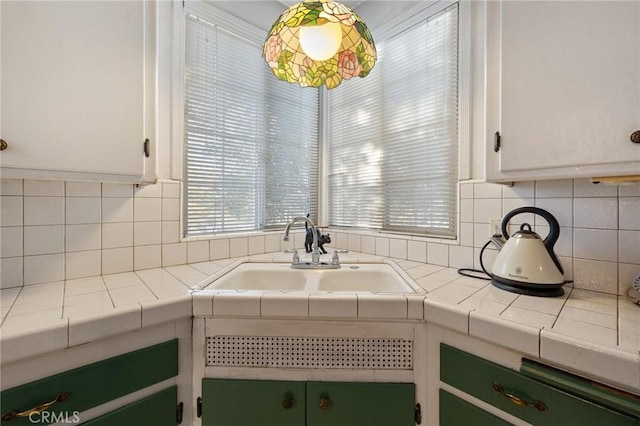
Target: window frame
(243,30)
(389,29)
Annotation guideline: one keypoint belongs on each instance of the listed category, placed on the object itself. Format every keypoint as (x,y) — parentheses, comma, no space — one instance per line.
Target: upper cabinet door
(563,89)
(74,81)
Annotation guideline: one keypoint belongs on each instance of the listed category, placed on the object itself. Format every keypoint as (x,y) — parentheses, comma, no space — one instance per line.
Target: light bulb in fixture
(321,42)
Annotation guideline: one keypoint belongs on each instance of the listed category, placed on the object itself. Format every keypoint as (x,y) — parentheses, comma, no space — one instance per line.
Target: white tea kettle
(526,263)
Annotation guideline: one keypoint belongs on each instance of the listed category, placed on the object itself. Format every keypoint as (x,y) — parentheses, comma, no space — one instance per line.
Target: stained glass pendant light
(315,43)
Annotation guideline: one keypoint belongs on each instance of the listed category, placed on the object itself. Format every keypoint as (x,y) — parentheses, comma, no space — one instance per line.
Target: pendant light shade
(316,43)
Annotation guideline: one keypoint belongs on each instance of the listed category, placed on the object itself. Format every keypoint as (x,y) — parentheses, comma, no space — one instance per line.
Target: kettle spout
(498,241)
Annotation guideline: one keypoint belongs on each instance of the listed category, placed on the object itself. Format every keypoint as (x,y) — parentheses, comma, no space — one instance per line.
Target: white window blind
(251,141)
(393,136)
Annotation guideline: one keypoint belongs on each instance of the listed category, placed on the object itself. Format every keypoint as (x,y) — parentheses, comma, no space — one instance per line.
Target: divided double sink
(361,277)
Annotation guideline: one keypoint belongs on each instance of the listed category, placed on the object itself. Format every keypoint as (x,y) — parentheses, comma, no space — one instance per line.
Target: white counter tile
(208,268)
(162,283)
(485,306)
(589,317)
(234,303)
(520,337)
(454,317)
(161,311)
(456,287)
(133,295)
(203,303)
(587,332)
(292,304)
(528,317)
(445,297)
(493,293)
(122,280)
(39,318)
(602,362)
(327,305)
(95,327)
(95,298)
(546,305)
(628,341)
(422,270)
(584,318)
(104,307)
(29,342)
(415,307)
(430,284)
(187,274)
(382,306)
(8,296)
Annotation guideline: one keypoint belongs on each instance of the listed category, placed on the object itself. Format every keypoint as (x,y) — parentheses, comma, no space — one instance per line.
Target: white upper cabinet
(77,89)
(563,89)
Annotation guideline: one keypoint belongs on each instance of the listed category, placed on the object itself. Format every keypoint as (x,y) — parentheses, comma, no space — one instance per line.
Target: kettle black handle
(554,229)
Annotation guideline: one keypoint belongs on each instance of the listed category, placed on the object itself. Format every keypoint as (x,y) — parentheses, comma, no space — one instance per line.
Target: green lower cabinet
(535,401)
(360,404)
(252,402)
(283,403)
(455,412)
(158,409)
(88,386)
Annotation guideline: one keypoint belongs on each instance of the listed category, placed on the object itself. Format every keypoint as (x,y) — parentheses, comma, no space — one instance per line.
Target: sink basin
(364,277)
(262,276)
(380,278)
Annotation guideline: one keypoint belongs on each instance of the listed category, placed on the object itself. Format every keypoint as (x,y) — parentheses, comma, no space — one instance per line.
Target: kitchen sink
(363,277)
(378,278)
(262,276)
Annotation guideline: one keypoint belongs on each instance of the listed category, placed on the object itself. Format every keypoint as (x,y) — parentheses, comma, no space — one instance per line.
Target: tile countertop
(593,333)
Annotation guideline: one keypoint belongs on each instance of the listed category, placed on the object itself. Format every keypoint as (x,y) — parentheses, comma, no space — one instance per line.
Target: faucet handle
(335,259)
(296,257)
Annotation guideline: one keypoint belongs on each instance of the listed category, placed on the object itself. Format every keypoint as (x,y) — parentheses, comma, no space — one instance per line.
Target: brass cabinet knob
(324,403)
(287,403)
(635,136)
(3,145)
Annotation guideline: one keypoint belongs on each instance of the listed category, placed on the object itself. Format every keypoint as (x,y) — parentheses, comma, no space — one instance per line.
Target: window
(393,136)
(251,141)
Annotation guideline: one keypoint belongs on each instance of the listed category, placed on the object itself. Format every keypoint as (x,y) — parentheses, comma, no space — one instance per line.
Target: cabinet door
(360,404)
(73,88)
(455,411)
(158,409)
(569,92)
(252,402)
(91,385)
(527,399)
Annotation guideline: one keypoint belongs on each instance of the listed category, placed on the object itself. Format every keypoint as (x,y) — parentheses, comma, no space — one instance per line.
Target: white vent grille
(310,352)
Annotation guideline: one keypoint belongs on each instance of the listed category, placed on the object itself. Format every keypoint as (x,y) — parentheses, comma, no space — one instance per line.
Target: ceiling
(262,13)
(349,3)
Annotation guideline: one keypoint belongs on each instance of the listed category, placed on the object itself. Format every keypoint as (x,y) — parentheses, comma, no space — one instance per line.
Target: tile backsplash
(599,244)
(53,230)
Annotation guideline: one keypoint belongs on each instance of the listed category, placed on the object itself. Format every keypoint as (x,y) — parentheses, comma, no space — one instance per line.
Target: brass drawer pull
(538,405)
(635,136)
(3,145)
(10,415)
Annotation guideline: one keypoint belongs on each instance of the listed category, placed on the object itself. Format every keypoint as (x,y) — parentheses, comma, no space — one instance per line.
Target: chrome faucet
(315,251)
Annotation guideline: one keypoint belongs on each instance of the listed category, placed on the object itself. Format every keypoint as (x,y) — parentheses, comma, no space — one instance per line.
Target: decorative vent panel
(310,352)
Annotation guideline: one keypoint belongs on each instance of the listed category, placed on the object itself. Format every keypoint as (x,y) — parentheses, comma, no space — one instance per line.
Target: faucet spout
(315,254)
